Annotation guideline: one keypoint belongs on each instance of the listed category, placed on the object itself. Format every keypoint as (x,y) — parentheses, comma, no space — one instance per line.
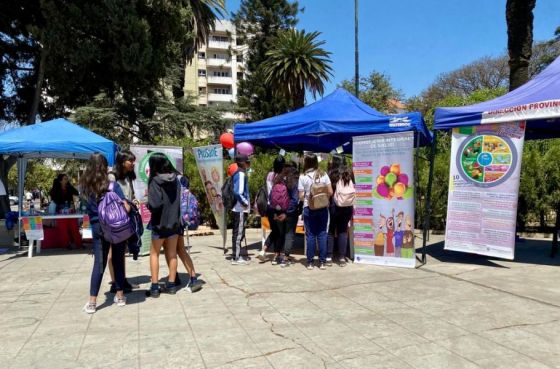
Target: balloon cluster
(392,183)
(228,143)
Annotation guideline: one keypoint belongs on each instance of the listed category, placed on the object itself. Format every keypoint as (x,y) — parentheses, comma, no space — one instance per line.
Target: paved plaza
(457,311)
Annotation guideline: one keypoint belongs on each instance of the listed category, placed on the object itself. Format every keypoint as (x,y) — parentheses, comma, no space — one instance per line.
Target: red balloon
(226,139)
(232,169)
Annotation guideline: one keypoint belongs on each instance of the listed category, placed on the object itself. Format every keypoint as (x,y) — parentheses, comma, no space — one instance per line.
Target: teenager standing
(241,208)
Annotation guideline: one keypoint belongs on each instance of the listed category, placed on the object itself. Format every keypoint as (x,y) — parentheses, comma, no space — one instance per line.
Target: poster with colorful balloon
(210,162)
(142,171)
(384,209)
(483,189)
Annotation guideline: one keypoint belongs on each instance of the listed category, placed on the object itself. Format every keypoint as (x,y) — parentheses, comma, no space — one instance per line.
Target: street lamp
(356,53)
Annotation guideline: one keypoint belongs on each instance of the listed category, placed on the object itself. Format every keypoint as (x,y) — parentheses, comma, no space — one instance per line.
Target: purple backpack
(113,218)
(279,197)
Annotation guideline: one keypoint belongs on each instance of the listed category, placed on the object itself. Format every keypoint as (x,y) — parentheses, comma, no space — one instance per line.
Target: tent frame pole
(428,206)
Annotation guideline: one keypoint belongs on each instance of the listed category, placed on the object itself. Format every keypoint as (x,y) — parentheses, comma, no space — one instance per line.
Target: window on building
(240,58)
(218,73)
(220,38)
(202,72)
(202,90)
(239,75)
(222,91)
(202,55)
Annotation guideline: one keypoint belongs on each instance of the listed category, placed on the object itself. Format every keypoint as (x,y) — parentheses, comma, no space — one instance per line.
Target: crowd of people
(166,189)
(324,198)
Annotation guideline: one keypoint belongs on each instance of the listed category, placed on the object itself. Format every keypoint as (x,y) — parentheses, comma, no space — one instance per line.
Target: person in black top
(62,192)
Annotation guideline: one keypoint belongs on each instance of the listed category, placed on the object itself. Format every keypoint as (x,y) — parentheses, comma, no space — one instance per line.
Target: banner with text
(142,170)
(483,189)
(210,162)
(384,208)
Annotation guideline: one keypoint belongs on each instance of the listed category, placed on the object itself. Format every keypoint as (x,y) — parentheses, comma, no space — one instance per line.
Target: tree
(377,91)
(258,22)
(296,62)
(519,18)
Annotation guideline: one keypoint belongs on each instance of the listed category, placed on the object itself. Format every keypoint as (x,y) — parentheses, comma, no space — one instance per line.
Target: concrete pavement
(457,311)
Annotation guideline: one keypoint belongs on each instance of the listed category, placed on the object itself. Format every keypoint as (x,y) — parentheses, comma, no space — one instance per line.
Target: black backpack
(261,201)
(228,197)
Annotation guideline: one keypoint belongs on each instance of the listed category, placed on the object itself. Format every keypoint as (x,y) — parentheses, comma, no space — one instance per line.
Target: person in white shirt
(315,221)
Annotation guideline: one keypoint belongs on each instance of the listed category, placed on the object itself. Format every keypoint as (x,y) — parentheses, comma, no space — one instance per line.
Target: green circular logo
(144,166)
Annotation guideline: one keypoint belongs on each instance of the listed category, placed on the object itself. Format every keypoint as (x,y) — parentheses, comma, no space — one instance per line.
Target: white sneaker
(261,255)
(120,301)
(242,261)
(90,307)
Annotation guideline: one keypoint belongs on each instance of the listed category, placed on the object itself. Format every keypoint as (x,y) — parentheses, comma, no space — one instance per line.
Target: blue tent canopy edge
(537,102)
(329,123)
(58,138)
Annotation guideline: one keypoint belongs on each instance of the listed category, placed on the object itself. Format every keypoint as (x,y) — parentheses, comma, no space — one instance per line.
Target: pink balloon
(245,148)
(383,190)
(384,170)
(403,178)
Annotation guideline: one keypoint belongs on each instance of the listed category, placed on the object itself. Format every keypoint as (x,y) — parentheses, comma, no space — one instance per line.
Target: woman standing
(94,184)
(316,220)
(290,176)
(62,194)
(164,202)
(124,175)
(344,194)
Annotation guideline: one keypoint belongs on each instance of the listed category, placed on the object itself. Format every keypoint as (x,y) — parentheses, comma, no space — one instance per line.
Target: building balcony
(220,97)
(220,80)
(220,45)
(213,62)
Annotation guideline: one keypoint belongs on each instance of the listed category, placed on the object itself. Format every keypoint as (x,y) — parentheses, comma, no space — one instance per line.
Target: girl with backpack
(287,220)
(95,185)
(124,175)
(333,167)
(344,195)
(271,213)
(164,200)
(315,190)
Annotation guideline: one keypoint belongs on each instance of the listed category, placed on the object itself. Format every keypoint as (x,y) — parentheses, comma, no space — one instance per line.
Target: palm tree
(519,17)
(296,63)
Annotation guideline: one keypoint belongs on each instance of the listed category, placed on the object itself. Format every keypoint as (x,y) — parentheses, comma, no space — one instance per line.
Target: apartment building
(214,72)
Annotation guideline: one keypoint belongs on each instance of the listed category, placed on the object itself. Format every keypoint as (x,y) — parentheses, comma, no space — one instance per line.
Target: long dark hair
(345,174)
(310,161)
(159,164)
(278,164)
(94,181)
(123,156)
(289,175)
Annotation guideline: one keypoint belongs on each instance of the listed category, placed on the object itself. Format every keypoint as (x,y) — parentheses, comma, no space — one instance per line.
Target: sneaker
(154,291)
(90,307)
(329,262)
(240,261)
(285,263)
(276,261)
(342,262)
(171,288)
(322,266)
(120,301)
(261,255)
(194,285)
(309,266)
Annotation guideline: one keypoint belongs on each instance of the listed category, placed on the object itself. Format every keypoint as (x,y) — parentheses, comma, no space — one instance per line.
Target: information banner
(33,227)
(483,189)
(384,208)
(142,170)
(210,162)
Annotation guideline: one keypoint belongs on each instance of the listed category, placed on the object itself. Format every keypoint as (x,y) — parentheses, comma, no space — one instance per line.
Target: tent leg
(428,208)
(554,248)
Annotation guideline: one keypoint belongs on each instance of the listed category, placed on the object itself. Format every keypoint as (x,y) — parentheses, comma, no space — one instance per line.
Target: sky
(414,41)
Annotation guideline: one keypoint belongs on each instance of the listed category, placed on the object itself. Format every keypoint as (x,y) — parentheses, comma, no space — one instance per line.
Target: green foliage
(296,62)
(377,91)
(38,175)
(258,22)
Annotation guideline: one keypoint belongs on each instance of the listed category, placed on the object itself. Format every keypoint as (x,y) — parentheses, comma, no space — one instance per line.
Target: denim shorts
(161,235)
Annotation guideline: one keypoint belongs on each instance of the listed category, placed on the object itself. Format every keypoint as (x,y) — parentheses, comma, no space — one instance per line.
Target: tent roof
(537,101)
(327,124)
(58,138)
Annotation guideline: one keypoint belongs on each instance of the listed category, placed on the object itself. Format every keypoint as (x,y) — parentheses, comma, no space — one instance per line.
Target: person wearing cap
(241,207)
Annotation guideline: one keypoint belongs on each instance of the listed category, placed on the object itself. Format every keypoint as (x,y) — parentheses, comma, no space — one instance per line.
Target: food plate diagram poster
(483,189)
(384,208)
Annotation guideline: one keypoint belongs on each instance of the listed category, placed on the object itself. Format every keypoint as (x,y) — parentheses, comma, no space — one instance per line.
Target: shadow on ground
(527,251)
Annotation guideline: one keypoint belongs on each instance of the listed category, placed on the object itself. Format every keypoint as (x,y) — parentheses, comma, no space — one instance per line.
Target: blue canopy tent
(329,123)
(537,102)
(58,138)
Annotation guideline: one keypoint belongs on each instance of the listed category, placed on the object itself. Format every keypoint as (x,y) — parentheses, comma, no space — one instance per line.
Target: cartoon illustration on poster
(209,160)
(483,189)
(384,208)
